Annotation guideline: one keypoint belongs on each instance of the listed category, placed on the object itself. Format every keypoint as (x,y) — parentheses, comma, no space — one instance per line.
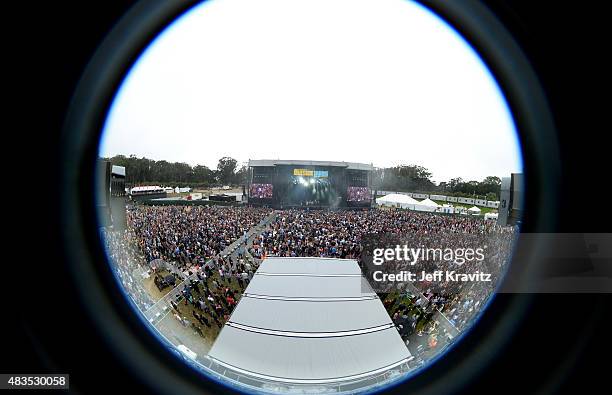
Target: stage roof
(309,320)
(275,162)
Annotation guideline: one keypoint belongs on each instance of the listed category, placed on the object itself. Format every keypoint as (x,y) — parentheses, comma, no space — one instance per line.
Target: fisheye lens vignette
(264,267)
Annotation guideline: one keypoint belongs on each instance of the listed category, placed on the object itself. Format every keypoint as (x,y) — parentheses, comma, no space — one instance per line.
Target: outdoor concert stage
(315,184)
(310,321)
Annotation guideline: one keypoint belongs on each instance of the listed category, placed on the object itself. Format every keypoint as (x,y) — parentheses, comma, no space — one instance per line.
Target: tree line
(412,178)
(403,178)
(141,171)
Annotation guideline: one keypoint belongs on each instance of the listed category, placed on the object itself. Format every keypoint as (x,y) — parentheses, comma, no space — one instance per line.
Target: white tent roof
(149,188)
(309,320)
(474,209)
(429,202)
(397,198)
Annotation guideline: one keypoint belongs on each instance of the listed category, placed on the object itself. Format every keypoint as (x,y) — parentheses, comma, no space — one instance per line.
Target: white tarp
(474,210)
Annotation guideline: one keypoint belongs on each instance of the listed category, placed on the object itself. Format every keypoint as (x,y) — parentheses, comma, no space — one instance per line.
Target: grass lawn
(483,210)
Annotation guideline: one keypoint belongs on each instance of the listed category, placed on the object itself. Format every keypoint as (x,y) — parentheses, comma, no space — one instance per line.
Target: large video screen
(261,191)
(358,194)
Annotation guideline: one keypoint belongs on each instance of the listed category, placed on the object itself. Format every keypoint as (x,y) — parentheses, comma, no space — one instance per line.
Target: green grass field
(483,210)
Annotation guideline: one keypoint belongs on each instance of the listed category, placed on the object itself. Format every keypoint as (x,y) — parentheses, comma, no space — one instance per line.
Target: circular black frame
(105,301)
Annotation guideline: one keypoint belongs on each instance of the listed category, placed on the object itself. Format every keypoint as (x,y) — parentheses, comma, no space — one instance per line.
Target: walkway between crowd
(240,246)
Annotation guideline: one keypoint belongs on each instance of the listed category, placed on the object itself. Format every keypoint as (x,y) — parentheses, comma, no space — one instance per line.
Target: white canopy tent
(429,202)
(426,205)
(474,210)
(397,200)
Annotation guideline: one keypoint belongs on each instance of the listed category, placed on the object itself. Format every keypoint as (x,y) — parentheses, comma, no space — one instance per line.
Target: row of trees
(411,178)
(404,178)
(489,187)
(142,171)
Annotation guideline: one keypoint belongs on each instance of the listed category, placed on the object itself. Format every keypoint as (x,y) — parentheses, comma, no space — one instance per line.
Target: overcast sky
(375,81)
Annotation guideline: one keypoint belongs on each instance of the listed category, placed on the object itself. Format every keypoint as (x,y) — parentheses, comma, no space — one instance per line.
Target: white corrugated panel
(309,332)
(308,287)
(292,359)
(309,265)
(310,316)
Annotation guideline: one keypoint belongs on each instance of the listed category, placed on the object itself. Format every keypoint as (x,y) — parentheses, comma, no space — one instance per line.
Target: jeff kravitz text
(452,258)
(435,276)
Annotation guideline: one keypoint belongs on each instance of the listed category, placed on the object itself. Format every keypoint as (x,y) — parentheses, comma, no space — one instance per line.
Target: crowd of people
(346,234)
(261,191)
(358,194)
(188,237)
(299,233)
(207,300)
(183,238)
(418,324)
(128,264)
